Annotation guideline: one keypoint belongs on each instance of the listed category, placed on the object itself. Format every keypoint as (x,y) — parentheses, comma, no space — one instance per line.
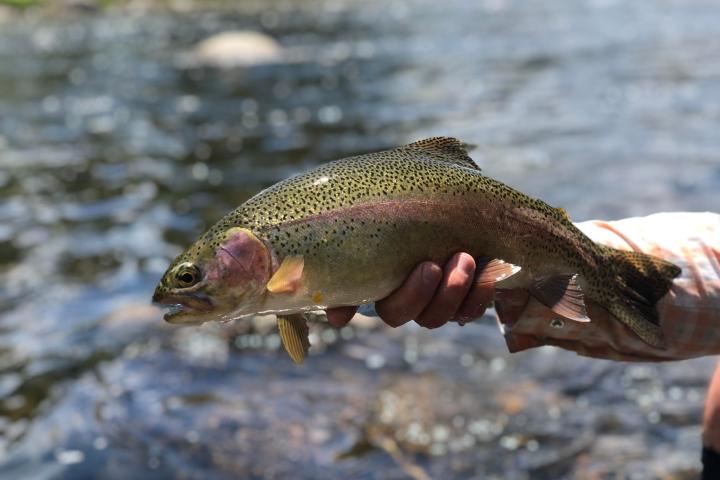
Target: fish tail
(641,280)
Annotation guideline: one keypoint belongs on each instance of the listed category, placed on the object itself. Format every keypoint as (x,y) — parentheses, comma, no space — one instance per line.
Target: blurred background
(126,129)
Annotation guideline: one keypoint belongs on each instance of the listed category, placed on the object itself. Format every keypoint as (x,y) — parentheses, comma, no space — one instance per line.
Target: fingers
(339,317)
(455,285)
(476,302)
(408,301)
(432,298)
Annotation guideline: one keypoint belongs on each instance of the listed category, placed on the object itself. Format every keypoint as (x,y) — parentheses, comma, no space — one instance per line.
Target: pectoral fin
(294,335)
(563,295)
(492,270)
(287,277)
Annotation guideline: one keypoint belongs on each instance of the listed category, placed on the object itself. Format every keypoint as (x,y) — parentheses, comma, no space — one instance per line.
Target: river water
(114,155)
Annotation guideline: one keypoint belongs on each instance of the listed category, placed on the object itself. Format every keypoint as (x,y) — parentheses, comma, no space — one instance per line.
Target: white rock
(237,49)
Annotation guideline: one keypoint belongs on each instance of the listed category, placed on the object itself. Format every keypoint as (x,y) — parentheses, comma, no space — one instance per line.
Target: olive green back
(433,166)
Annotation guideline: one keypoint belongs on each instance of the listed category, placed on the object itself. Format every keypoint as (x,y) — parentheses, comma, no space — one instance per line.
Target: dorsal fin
(564,214)
(448,149)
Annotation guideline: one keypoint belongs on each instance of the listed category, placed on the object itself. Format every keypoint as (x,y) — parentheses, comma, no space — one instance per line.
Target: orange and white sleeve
(689,312)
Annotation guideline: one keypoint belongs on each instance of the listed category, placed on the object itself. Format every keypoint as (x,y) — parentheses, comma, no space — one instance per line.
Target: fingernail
(430,273)
(466,265)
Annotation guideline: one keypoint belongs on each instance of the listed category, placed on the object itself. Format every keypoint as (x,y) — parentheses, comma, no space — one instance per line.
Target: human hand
(431,296)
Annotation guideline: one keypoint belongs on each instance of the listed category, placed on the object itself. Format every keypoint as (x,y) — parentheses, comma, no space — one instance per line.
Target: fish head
(220,273)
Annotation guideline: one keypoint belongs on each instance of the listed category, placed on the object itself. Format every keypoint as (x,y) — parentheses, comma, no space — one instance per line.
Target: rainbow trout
(349,232)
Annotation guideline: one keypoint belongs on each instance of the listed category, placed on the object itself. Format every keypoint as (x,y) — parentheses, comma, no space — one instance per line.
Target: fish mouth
(184,309)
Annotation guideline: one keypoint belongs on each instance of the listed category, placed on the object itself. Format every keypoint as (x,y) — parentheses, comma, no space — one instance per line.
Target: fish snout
(158,295)
(183,308)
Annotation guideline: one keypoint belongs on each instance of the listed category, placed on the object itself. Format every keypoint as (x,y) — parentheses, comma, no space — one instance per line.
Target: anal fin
(562,294)
(294,336)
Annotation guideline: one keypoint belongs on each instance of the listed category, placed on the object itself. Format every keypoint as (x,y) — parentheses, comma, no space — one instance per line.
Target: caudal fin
(641,280)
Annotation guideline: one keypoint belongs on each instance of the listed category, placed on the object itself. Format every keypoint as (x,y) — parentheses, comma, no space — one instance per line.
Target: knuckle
(394,323)
(393,315)
(432,321)
(435,316)
(470,311)
(448,301)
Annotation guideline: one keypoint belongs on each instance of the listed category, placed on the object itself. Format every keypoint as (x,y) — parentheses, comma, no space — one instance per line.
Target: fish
(349,232)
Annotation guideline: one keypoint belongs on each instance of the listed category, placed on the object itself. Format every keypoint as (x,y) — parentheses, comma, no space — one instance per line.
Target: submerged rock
(236,49)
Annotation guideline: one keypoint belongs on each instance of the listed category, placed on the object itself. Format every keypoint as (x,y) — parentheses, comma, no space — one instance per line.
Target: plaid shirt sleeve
(689,312)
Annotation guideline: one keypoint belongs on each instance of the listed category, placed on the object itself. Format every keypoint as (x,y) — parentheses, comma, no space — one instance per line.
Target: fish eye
(187,275)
